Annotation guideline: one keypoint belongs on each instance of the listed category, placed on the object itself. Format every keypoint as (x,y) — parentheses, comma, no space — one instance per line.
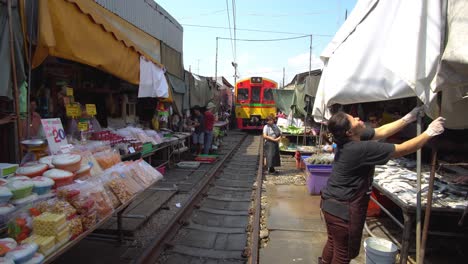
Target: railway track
(219,222)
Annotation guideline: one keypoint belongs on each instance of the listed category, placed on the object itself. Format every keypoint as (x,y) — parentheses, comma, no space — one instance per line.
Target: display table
(397,181)
(118,212)
(221,124)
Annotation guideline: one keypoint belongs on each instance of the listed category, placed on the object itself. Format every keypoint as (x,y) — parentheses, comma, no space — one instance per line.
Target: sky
(293,18)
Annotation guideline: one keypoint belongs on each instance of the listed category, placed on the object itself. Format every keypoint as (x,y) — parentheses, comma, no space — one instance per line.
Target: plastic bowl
(32,170)
(5,194)
(42,185)
(20,189)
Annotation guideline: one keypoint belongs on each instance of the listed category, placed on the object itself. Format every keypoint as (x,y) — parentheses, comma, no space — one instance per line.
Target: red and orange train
(254,102)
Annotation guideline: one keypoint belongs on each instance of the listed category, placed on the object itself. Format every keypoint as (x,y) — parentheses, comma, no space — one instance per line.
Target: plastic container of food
(20,188)
(36,259)
(32,170)
(60,177)
(6,245)
(83,172)
(42,185)
(25,201)
(47,160)
(6,211)
(22,253)
(68,162)
(5,194)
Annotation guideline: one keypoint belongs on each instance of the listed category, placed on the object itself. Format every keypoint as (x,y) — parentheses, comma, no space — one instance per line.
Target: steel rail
(255,240)
(157,246)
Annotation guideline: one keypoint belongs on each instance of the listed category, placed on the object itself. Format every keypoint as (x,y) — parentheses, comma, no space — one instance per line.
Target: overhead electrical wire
(229,22)
(203,15)
(279,39)
(257,30)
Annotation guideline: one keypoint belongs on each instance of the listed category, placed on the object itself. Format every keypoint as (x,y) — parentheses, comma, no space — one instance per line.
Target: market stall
(397,180)
(411,50)
(51,204)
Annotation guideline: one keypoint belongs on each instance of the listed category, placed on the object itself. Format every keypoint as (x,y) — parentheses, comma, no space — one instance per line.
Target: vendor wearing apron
(346,196)
(272,135)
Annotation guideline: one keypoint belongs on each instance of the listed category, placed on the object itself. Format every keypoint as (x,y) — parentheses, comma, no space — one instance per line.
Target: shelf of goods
(55,220)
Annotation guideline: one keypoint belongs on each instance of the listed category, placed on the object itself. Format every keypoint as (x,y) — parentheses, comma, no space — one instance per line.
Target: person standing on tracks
(272,136)
(209,124)
(346,196)
(198,124)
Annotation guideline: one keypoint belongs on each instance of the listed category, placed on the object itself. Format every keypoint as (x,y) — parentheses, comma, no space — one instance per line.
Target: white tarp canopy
(391,49)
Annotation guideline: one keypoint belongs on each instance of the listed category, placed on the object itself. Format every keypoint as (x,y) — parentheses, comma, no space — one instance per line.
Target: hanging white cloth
(153,83)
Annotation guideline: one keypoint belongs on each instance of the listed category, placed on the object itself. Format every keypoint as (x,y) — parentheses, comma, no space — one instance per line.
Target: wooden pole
(418,193)
(427,215)
(15,81)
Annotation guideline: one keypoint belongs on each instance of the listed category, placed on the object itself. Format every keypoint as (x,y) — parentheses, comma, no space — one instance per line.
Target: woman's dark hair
(270,117)
(338,125)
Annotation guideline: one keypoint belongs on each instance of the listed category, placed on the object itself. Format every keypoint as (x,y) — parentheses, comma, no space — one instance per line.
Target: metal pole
(418,194)
(29,114)
(310,55)
(283,77)
(216,62)
(15,81)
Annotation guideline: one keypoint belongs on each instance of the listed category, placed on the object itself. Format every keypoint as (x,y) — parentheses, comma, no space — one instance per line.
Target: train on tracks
(254,102)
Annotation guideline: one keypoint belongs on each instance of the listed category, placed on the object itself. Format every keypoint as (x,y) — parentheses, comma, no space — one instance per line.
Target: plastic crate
(317,178)
(146,148)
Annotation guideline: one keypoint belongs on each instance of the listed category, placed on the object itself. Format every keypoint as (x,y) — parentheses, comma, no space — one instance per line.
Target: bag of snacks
(20,225)
(107,159)
(102,202)
(75,226)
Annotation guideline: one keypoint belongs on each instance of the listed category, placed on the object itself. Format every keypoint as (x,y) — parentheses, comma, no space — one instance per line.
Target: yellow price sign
(73,110)
(83,126)
(69,91)
(91,109)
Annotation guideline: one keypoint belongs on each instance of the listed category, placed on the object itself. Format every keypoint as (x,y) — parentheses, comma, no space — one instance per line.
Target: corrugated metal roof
(149,17)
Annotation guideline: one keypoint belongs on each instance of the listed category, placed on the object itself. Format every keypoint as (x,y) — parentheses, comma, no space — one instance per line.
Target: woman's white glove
(436,127)
(413,115)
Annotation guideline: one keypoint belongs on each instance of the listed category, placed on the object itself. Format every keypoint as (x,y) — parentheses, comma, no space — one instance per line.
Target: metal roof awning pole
(15,82)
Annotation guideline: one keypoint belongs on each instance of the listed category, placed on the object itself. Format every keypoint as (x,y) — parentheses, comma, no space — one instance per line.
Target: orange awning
(85,32)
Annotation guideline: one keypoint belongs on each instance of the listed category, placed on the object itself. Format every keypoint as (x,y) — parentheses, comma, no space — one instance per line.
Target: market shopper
(346,196)
(198,123)
(272,136)
(209,124)
(35,121)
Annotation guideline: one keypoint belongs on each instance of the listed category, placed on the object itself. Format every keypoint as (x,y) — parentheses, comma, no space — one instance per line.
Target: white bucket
(379,251)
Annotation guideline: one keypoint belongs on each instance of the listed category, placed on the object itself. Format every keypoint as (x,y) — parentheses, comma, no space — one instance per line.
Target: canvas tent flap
(177,84)
(85,32)
(392,53)
(453,69)
(283,99)
(5,73)
(200,93)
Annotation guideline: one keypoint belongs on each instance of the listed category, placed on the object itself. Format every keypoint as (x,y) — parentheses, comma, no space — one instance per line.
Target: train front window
(242,94)
(256,94)
(268,95)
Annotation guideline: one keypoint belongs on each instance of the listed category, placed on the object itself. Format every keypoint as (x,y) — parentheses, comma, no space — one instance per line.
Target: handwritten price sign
(55,134)
(69,91)
(91,109)
(73,110)
(83,126)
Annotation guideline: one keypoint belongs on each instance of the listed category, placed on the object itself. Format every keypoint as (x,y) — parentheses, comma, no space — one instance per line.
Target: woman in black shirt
(346,196)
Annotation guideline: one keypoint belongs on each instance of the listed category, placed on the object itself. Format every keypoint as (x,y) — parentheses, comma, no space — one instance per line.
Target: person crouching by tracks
(198,124)
(272,136)
(346,196)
